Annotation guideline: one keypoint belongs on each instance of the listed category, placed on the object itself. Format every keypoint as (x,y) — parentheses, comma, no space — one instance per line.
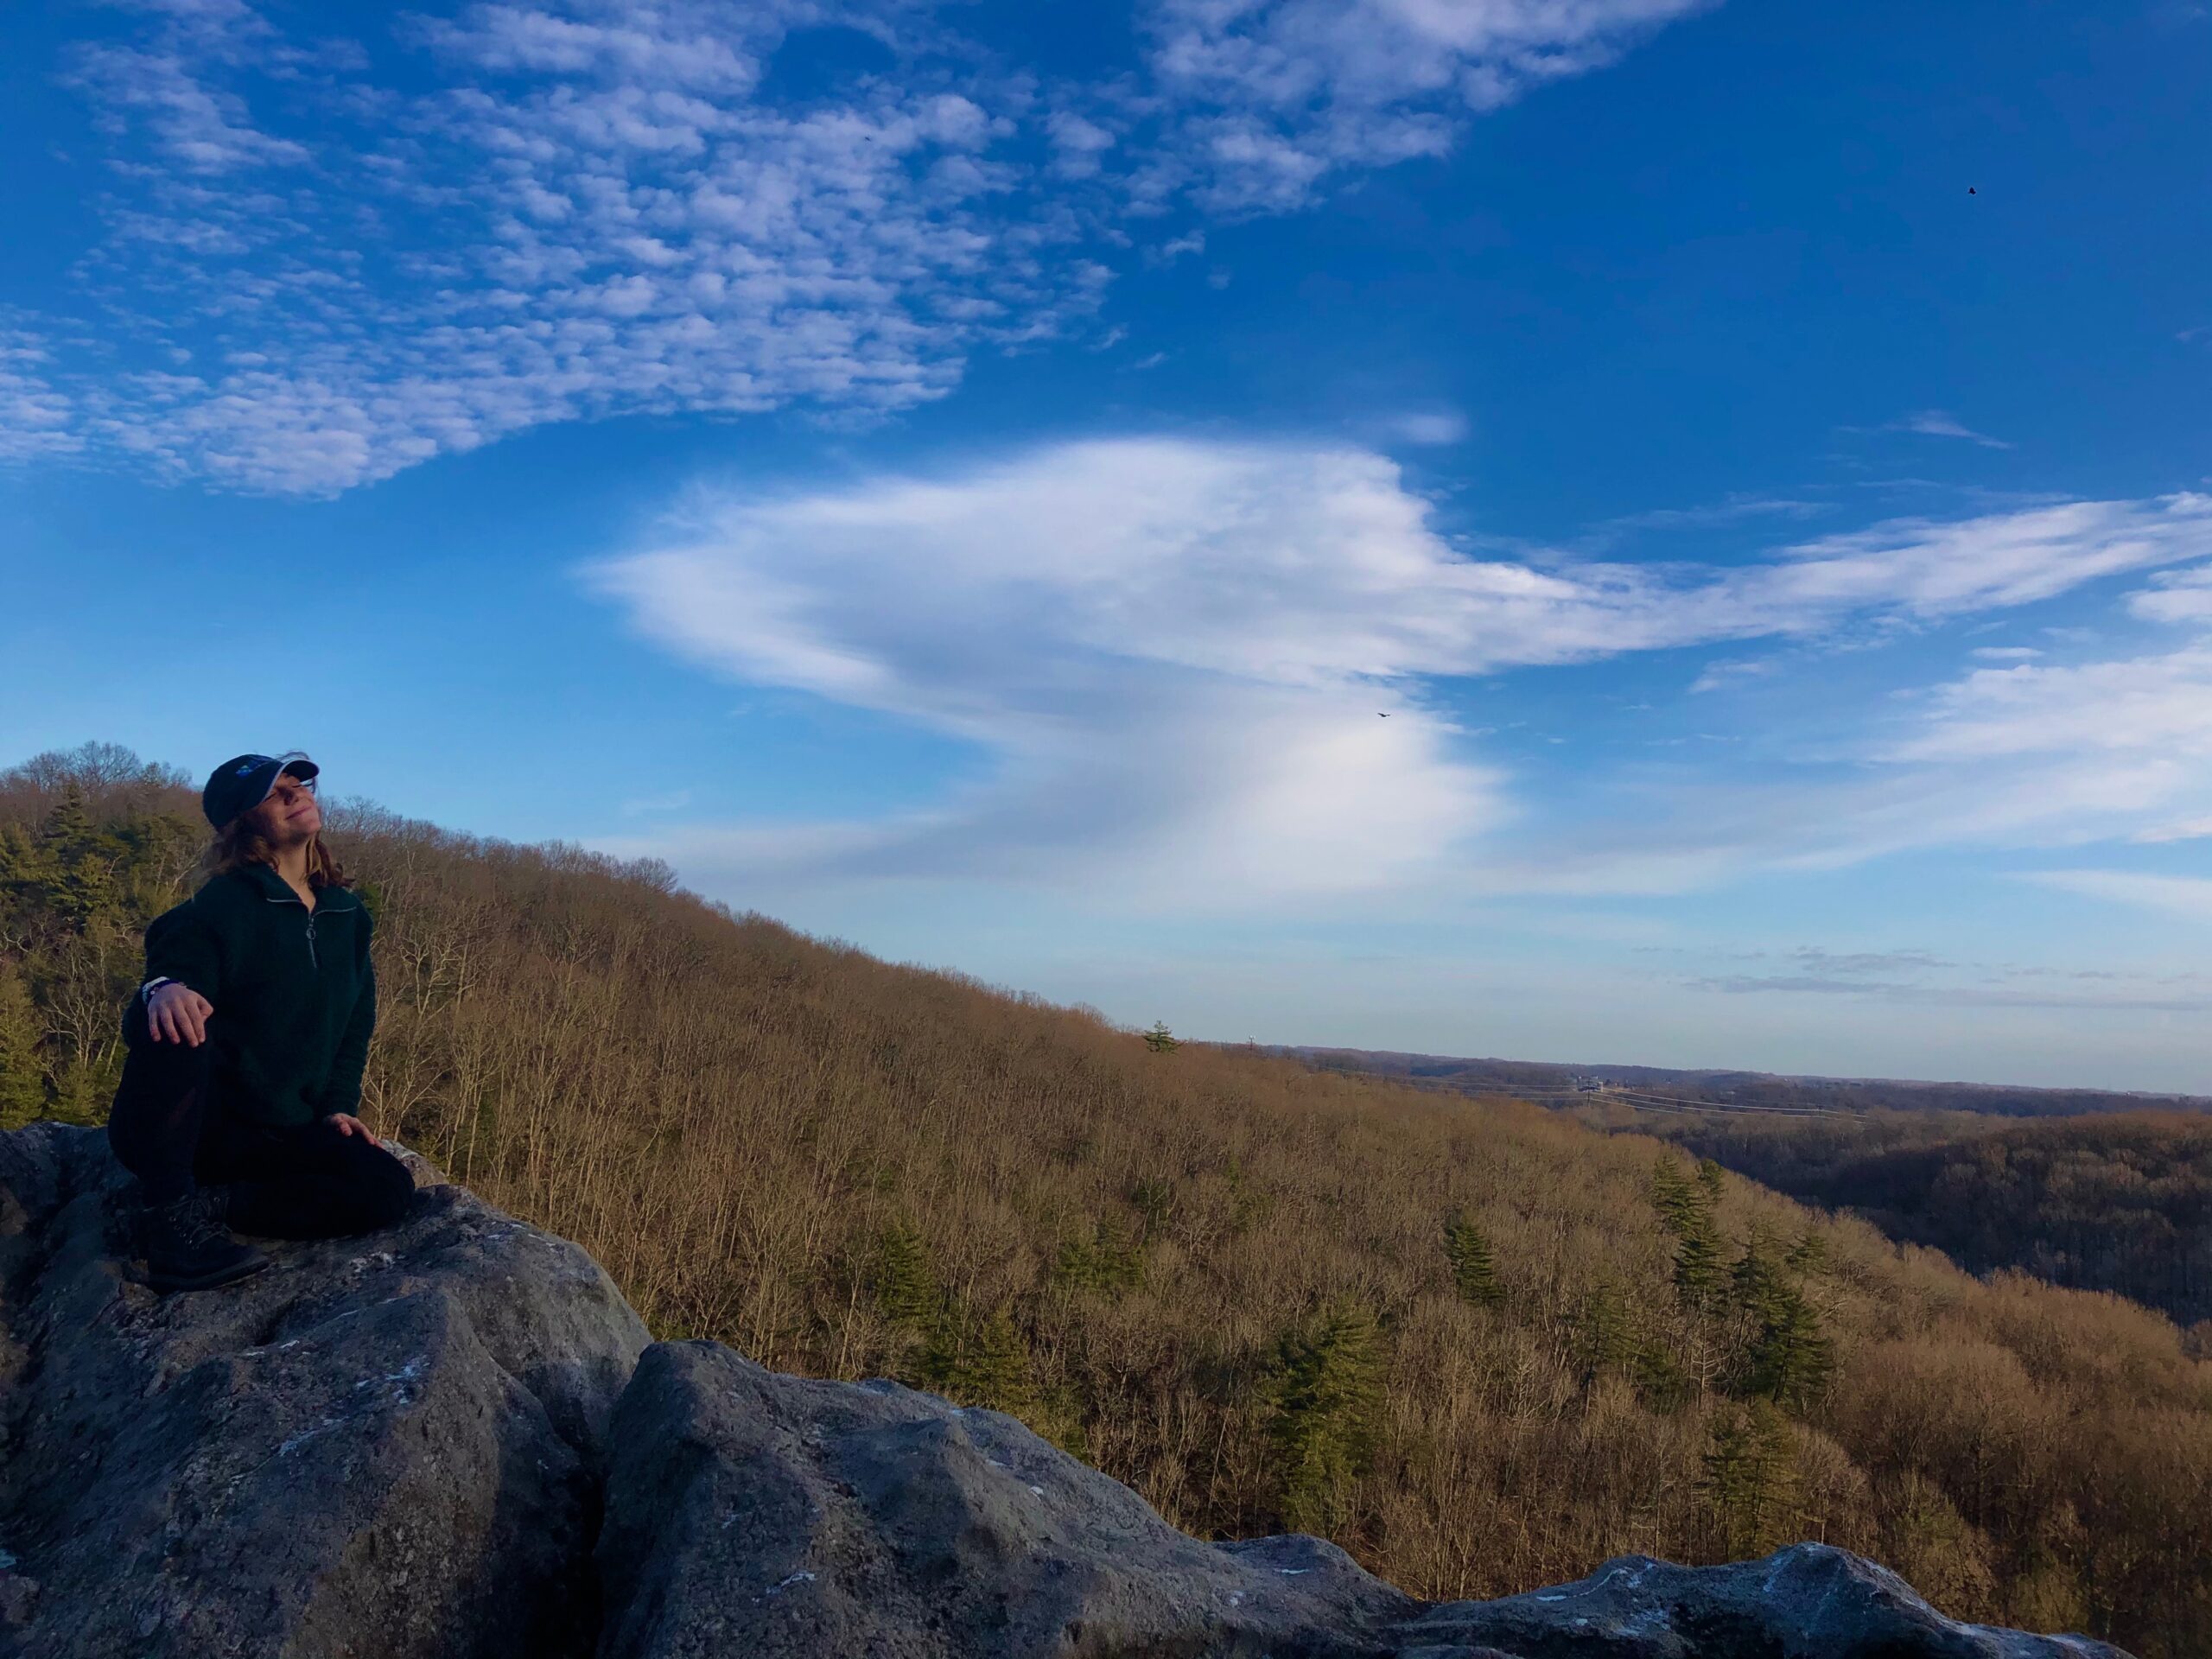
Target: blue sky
(1607,530)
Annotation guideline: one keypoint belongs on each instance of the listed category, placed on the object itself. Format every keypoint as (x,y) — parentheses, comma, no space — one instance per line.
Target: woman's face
(289,816)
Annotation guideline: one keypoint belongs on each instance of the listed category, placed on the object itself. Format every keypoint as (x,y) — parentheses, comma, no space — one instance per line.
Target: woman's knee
(388,1188)
(377,1189)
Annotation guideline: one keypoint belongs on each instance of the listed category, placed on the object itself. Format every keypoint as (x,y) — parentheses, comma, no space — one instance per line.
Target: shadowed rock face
(402,1446)
(382,1445)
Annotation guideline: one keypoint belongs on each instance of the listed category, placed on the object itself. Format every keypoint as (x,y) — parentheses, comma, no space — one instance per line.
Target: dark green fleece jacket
(293,997)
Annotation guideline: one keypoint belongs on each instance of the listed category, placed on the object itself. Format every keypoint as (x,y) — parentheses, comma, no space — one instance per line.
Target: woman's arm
(184,976)
(342,1095)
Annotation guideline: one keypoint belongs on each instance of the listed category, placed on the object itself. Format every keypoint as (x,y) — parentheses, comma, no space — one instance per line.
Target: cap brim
(298,767)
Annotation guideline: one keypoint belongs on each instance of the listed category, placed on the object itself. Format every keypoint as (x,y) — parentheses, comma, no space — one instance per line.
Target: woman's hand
(178,1013)
(349,1124)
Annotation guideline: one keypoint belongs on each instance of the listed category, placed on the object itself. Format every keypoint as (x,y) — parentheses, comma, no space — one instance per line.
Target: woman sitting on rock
(246,1042)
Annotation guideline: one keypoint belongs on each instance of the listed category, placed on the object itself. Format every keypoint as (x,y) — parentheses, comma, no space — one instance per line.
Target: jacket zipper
(314,962)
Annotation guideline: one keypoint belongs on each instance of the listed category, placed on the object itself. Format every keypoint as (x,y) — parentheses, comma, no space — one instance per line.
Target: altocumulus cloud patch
(326,258)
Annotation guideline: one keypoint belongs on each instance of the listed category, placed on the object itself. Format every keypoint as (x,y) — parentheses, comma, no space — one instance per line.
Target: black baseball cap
(243,782)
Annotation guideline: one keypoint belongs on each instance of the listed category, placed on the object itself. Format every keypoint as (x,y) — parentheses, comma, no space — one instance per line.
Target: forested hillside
(2103,1202)
(1482,1346)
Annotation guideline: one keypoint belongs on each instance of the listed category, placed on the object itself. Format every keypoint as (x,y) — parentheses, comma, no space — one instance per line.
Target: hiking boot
(187,1249)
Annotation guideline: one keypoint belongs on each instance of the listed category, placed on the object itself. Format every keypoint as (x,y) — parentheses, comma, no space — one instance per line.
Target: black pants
(170,1128)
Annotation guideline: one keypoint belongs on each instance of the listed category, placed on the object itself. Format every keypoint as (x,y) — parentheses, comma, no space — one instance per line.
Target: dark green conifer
(23,1075)
(1709,1178)
(1474,1269)
(1155,1200)
(1604,1332)
(1748,1477)
(901,1281)
(1809,1255)
(1325,1395)
(1699,1272)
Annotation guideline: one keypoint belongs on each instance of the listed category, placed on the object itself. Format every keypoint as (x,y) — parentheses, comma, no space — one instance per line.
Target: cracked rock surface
(454,1438)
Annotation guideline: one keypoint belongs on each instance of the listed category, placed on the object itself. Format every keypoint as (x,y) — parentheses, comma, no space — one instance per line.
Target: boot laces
(190,1217)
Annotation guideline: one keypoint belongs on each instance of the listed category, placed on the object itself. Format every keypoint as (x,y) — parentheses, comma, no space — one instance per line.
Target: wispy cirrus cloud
(2188,896)
(320,270)
(1940,423)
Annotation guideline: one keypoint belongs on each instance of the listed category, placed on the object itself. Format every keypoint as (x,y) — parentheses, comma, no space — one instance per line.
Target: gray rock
(753,1514)
(1807,1602)
(385,1445)
(756,1514)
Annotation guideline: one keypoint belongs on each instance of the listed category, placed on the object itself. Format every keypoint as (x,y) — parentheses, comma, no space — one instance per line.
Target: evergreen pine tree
(1604,1332)
(900,1279)
(1809,1255)
(1160,1040)
(1673,1196)
(1784,1356)
(1111,1260)
(1474,1270)
(1748,1475)
(84,1090)
(1792,1357)
(22,1077)
(1325,1394)
(1699,1271)
(82,883)
(1709,1181)
(994,1372)
(1155,1203)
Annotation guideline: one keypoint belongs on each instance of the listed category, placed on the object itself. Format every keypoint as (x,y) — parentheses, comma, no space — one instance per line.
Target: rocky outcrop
(443,1440)
(386,1446)
(752,1513)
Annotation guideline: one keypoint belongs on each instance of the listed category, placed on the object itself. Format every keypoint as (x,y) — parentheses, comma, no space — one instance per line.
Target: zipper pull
(312,961)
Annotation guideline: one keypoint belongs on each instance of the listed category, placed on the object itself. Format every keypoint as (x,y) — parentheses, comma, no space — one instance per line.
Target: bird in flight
(1382,714)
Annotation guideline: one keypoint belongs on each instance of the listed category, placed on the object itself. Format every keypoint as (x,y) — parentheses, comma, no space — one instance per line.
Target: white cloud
(1274,95)
(2157,706)
(2176,596)
(1716,676)
(2178,829)
(2006,653)
(1935,423)
(1436,426)
(36,420)
(2186,896)
(320,270)
(1175,652)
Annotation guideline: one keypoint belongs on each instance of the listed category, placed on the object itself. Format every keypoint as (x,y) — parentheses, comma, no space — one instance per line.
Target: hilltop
(1482,1348)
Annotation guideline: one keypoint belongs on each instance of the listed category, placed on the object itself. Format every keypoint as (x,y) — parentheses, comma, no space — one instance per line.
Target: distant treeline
(2122,1204)
(1742,1088)
(1477,1343)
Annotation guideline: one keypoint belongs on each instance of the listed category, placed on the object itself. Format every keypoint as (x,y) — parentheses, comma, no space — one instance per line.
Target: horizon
(1427,530)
